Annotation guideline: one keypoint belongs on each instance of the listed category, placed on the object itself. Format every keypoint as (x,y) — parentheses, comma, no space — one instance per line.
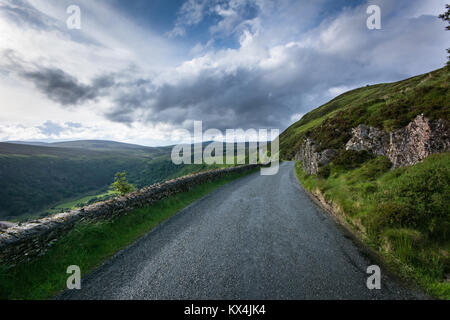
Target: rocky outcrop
(406,146)
(20,243)
(311,159)
(417,141)
(368,139)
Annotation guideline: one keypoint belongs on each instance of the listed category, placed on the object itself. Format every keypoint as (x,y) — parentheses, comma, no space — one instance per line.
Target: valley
(37,180)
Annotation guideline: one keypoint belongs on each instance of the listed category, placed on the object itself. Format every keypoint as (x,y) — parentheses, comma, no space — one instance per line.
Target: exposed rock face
(406,146)
(368,139)
(19,243)
(312,160)
(417,141)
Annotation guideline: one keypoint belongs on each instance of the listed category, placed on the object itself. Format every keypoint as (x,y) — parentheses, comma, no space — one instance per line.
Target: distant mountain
(87,144)
(98,145)
(29,143)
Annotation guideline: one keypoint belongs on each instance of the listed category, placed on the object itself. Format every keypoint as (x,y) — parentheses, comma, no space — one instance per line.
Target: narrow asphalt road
(259,237)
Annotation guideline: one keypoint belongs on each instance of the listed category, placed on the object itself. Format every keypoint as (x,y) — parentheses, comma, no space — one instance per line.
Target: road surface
(259,237)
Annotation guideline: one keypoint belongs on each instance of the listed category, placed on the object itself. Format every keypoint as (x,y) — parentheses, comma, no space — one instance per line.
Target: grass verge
(403,213)
(89,244)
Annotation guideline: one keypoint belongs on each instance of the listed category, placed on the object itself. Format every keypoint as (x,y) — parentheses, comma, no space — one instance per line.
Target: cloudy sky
(140,70)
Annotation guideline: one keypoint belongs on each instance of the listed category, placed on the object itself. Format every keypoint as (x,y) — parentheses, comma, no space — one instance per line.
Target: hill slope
(400,208)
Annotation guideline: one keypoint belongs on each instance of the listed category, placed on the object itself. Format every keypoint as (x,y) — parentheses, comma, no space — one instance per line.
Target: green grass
(84,200)
(402,213)
(67,205)
(89,244)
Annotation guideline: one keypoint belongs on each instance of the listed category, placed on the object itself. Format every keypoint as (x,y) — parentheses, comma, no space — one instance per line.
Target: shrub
(333,132)
(121,185)
(403,240)
(375,168)
(349,159)
(393,214)
(418,198)
(410,246)
(324,172)
(369,188)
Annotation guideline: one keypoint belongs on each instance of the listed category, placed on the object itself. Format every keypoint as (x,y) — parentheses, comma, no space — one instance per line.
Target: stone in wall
(312,160)
(404,147)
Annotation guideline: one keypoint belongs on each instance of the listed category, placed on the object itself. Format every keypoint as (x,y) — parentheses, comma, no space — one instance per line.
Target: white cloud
(296,117)
(336,91)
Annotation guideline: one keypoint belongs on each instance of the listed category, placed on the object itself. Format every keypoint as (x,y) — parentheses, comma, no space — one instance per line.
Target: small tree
(446,17)
(121,185)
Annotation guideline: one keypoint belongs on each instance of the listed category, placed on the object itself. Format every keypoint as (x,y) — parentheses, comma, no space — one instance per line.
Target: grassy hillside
(384,106)
(34,179)
(401,213)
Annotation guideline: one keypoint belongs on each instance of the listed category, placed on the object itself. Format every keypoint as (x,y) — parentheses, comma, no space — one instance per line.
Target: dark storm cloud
(56,84)
(240,99)
(64,88)
(220,101)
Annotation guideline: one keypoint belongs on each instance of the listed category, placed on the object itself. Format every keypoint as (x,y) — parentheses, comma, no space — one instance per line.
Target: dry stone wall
(21,243)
